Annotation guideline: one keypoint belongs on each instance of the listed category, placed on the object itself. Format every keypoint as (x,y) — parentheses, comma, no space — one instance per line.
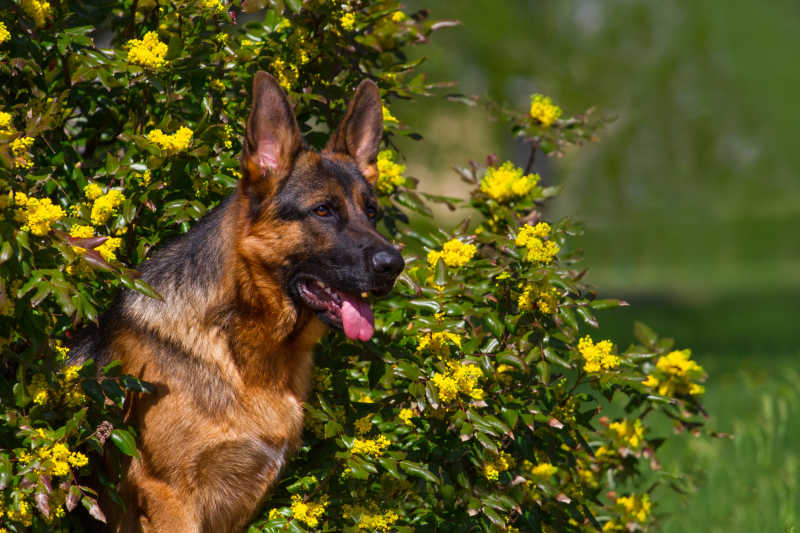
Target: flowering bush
(477,404)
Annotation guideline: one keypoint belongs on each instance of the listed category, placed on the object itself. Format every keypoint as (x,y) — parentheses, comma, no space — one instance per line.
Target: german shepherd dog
(246,294)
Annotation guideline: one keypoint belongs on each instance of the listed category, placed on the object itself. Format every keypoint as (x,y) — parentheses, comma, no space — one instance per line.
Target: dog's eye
(322,210)
(371,213)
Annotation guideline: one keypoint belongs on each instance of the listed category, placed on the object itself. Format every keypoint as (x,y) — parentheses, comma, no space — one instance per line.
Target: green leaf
(418,470)
(123,440)
(644,334)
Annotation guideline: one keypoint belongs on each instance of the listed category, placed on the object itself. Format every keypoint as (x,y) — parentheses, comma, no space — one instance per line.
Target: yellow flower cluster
(634,509)
(461,378)
(545,300)
(37,10)
(148,52)
(348,21)
(286,73)
(6,122)
(37,215)
(4,33)
(454,253)
(539,472)
(173,143)
(67,390)
(373,447)
(398,16)
(21,513)
(387,116)
(598,356)
(104,205)
(81,232)
(308,512)
(499,463)
(108,250)
(406,415)
(215,6)
(437,343)
(390,174)
(363,424)
(378,522)
(19,147)
(677,374)
(543,110)
(53,460)
(370,520)
(532,238)
(92,191)
(506,182)
(631,433)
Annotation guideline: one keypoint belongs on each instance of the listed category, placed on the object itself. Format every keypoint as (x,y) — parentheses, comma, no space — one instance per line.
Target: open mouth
(344,310)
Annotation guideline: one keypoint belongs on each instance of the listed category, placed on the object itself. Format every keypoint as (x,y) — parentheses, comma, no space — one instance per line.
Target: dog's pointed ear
(272,137)
(359,134)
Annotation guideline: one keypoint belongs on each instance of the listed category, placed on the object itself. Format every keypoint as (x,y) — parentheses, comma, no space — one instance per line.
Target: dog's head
(311,216)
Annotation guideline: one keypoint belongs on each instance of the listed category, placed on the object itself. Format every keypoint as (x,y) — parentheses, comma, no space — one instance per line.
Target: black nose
(388,262)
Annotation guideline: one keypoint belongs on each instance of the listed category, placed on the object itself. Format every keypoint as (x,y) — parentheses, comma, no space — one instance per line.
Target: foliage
(477,405)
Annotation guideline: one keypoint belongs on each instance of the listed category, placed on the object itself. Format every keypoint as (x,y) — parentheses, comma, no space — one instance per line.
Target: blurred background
(691,200)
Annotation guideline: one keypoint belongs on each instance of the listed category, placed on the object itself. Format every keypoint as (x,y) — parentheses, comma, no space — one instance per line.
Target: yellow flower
(598,356)
(4,36)
(108,249)
(506,182)
(38,215)
(373,447)
(217,86)
(390,174)
(406,415)
(446,386)
(398,16)
(308,512)
(454,253)
(543,471)
(363,424)
(539,250)
(81,232)
(175,142)
(437,343)
(148,52)
(675,374)
(631,433)
(387,115)
(532,298)
(500,463)
(651,381)
(77,459)
(19,147)
(285,73)
(105,205)
(6,120)
(92,191)
(377,521)
(214,6)
(543,110)
(37,10)
(635,508)
(348,21)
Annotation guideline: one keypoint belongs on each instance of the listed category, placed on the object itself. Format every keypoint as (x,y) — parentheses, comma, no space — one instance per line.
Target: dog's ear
(272,137)
(360,132)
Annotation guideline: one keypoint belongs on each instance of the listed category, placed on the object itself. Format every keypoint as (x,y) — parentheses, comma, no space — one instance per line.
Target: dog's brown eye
(322,210)
(371,213)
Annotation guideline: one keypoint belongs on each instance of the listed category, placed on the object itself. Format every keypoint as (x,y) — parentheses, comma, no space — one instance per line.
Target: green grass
(747,343)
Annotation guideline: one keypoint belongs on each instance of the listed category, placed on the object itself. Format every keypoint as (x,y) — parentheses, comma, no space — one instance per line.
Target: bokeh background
(691,200)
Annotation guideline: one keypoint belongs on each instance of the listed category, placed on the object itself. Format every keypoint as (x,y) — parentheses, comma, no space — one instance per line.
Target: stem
(531,158)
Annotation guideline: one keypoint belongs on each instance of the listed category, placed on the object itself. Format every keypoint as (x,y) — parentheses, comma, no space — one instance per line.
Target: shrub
(478,403)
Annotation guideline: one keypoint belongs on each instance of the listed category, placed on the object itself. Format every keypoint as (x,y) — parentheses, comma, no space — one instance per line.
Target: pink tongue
(357,318)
